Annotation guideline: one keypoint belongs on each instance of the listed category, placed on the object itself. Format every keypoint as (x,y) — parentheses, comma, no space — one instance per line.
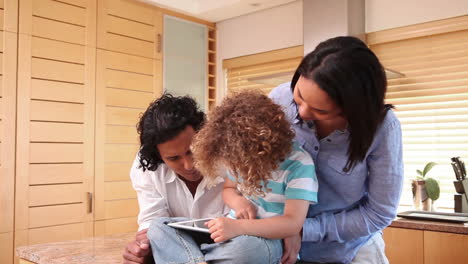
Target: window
(431,100)
(263,71)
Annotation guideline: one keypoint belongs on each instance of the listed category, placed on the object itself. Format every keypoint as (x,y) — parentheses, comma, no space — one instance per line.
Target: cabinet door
(55,130)
(445,248)
(8,59)
(403,246)
(128,79)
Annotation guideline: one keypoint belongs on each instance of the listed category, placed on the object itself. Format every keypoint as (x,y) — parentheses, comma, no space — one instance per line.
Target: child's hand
(223,229)
(246,210)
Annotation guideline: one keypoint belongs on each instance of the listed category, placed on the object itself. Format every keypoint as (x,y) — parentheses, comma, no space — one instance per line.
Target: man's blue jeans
(175,246)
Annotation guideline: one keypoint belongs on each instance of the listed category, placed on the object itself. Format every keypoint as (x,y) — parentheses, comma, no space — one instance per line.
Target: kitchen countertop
(108,249)
(436,226)
(94,250)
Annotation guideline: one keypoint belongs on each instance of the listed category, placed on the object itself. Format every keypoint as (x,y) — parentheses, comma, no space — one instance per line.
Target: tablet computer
(193,225)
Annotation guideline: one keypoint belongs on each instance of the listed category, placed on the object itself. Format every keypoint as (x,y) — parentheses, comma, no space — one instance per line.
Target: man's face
(177,155)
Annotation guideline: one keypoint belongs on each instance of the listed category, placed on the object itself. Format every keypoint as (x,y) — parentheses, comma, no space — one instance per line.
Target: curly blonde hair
(248,134)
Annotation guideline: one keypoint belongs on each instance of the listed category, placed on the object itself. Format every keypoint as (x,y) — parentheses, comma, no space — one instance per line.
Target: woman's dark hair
(350,73)
(163,120)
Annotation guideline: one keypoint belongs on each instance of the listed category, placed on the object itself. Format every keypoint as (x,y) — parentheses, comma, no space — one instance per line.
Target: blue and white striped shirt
(294,179)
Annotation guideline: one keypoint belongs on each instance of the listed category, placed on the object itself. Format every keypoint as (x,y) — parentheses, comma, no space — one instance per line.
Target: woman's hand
(223,229)
(245,209)
(291,247)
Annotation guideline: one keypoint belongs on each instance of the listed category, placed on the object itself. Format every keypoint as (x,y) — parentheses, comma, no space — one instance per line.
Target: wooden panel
(125,98)
(55,173)
(6,248)
(120,153)
(55,194)
(55,111)
(403,245)
(119,190)
(57,91)
(130,28)
(57,50)
(59,11)
(117,171)
(56,132)
(129,45)
(122,116)
(445,248)
(121,208)
(116,226)
(80,3)
(56,215)
(22,261)
(129,80)
(122,134)
(59,233)
(55,70)
(129,63)
(7,134)
(46,28)
(131,10)
(55,153)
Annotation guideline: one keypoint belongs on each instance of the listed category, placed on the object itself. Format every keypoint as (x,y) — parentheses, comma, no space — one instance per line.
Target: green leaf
(419,172)
(428,167)
(432,188)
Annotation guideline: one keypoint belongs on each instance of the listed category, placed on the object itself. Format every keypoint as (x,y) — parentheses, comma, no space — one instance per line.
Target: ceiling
(217,10)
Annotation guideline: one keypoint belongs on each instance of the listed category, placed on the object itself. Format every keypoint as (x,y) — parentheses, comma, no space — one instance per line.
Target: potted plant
(425,189)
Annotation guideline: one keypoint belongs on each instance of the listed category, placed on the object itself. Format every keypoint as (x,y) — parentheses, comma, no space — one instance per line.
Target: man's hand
(223,229)
(136,251)
(291,247)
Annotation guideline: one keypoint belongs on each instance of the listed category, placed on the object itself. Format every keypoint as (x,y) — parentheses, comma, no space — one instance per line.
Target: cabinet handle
(90,202)
(159,43)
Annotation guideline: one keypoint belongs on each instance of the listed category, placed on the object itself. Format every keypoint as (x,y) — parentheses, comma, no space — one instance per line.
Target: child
(270,180)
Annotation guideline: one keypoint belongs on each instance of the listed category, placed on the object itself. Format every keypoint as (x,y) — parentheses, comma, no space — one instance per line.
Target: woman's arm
(277,227)
(233,198)
(376,211)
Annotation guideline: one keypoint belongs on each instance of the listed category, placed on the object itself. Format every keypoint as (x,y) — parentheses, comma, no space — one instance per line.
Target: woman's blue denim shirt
(352,205)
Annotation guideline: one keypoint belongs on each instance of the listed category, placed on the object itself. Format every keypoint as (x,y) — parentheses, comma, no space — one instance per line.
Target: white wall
(388,14)
(271,29)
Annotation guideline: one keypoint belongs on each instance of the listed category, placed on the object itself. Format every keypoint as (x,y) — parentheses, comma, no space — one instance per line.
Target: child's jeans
(176,246)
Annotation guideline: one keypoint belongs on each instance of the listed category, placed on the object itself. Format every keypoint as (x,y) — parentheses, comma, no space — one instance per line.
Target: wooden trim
(264,57)
(23,261)
(188,17)
(11,15)
(100,135)
(7,147)
(418,30)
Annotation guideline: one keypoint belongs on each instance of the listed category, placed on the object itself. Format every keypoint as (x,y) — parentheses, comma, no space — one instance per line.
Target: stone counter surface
(108,249)
(95,250)
(437,226)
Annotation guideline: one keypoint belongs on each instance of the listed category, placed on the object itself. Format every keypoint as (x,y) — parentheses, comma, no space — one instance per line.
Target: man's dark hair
(162,121)
(350,73)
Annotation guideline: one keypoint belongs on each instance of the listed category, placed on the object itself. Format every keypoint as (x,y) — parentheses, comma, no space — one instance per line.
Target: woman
(335,103)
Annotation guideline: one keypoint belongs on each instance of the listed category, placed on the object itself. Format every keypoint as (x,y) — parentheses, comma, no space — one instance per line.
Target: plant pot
(420,199)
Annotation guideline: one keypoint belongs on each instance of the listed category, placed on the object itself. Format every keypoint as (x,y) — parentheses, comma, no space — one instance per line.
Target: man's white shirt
(162,194)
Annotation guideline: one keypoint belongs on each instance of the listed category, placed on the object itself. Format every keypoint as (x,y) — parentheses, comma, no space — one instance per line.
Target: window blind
(264,76)
(431,103)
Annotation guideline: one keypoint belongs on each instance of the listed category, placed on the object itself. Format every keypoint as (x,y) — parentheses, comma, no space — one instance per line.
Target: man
(163,175)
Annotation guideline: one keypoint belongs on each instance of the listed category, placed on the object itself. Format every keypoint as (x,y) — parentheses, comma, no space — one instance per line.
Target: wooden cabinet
(8,60)
(129,77)
(55,124)
(445,248)
(404,246)
(75,75)
(417,246)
